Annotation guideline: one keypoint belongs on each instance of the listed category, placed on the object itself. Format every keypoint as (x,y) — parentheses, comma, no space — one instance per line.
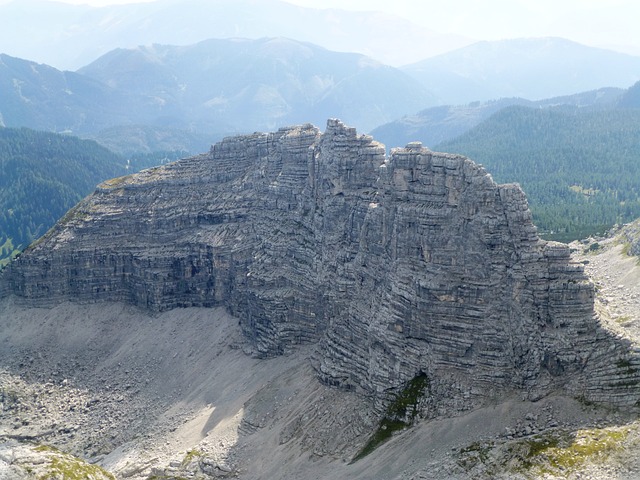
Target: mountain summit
(531,68)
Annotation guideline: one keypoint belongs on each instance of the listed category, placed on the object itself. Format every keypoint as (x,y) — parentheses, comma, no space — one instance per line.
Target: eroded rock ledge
(418,263)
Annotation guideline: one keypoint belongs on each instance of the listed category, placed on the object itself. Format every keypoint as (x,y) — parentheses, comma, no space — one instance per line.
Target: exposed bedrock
(416,263)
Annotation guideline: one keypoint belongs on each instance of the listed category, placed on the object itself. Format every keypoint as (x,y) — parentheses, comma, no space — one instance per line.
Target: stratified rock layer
(416,263)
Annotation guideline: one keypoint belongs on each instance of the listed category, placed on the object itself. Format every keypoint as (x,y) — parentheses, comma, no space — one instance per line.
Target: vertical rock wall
(415,263)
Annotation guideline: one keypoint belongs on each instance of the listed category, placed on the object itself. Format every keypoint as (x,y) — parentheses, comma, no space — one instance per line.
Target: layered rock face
(416,263)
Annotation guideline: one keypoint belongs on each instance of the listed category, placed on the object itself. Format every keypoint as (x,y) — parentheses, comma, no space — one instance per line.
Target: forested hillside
(42,175)
(435,125)
(579,167)
(516,67)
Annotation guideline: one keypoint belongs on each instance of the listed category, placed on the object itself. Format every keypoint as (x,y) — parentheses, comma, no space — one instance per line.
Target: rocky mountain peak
(413,265)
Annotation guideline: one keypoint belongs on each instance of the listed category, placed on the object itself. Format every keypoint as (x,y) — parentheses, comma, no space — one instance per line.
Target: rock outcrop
(412,264)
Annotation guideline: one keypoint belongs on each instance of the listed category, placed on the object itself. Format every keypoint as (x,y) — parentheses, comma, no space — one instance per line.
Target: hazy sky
(592,22)
(606,23)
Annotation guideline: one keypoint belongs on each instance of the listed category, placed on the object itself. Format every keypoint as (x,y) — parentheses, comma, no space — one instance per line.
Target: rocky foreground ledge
(420,280)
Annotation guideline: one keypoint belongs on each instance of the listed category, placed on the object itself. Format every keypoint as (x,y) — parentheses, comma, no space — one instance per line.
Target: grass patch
(115,182)
(75,213)
(556,453)
(561,452)
(399,415)
(385,431)
(623,319)
(47,448)
(585,446)
(70,468)
(528,454)
(67,467)
(190,456)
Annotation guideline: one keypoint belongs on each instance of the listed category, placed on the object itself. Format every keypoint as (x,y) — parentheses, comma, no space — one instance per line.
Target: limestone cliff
(416,263)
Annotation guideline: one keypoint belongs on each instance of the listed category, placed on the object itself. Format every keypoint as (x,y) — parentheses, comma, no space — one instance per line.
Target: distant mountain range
(42,97)
(217,87)
(70,36)
(162,97)
(434,125)
(244,85)
(531,68)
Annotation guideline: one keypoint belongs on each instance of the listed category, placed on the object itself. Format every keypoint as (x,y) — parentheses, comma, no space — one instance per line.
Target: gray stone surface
(413,263)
